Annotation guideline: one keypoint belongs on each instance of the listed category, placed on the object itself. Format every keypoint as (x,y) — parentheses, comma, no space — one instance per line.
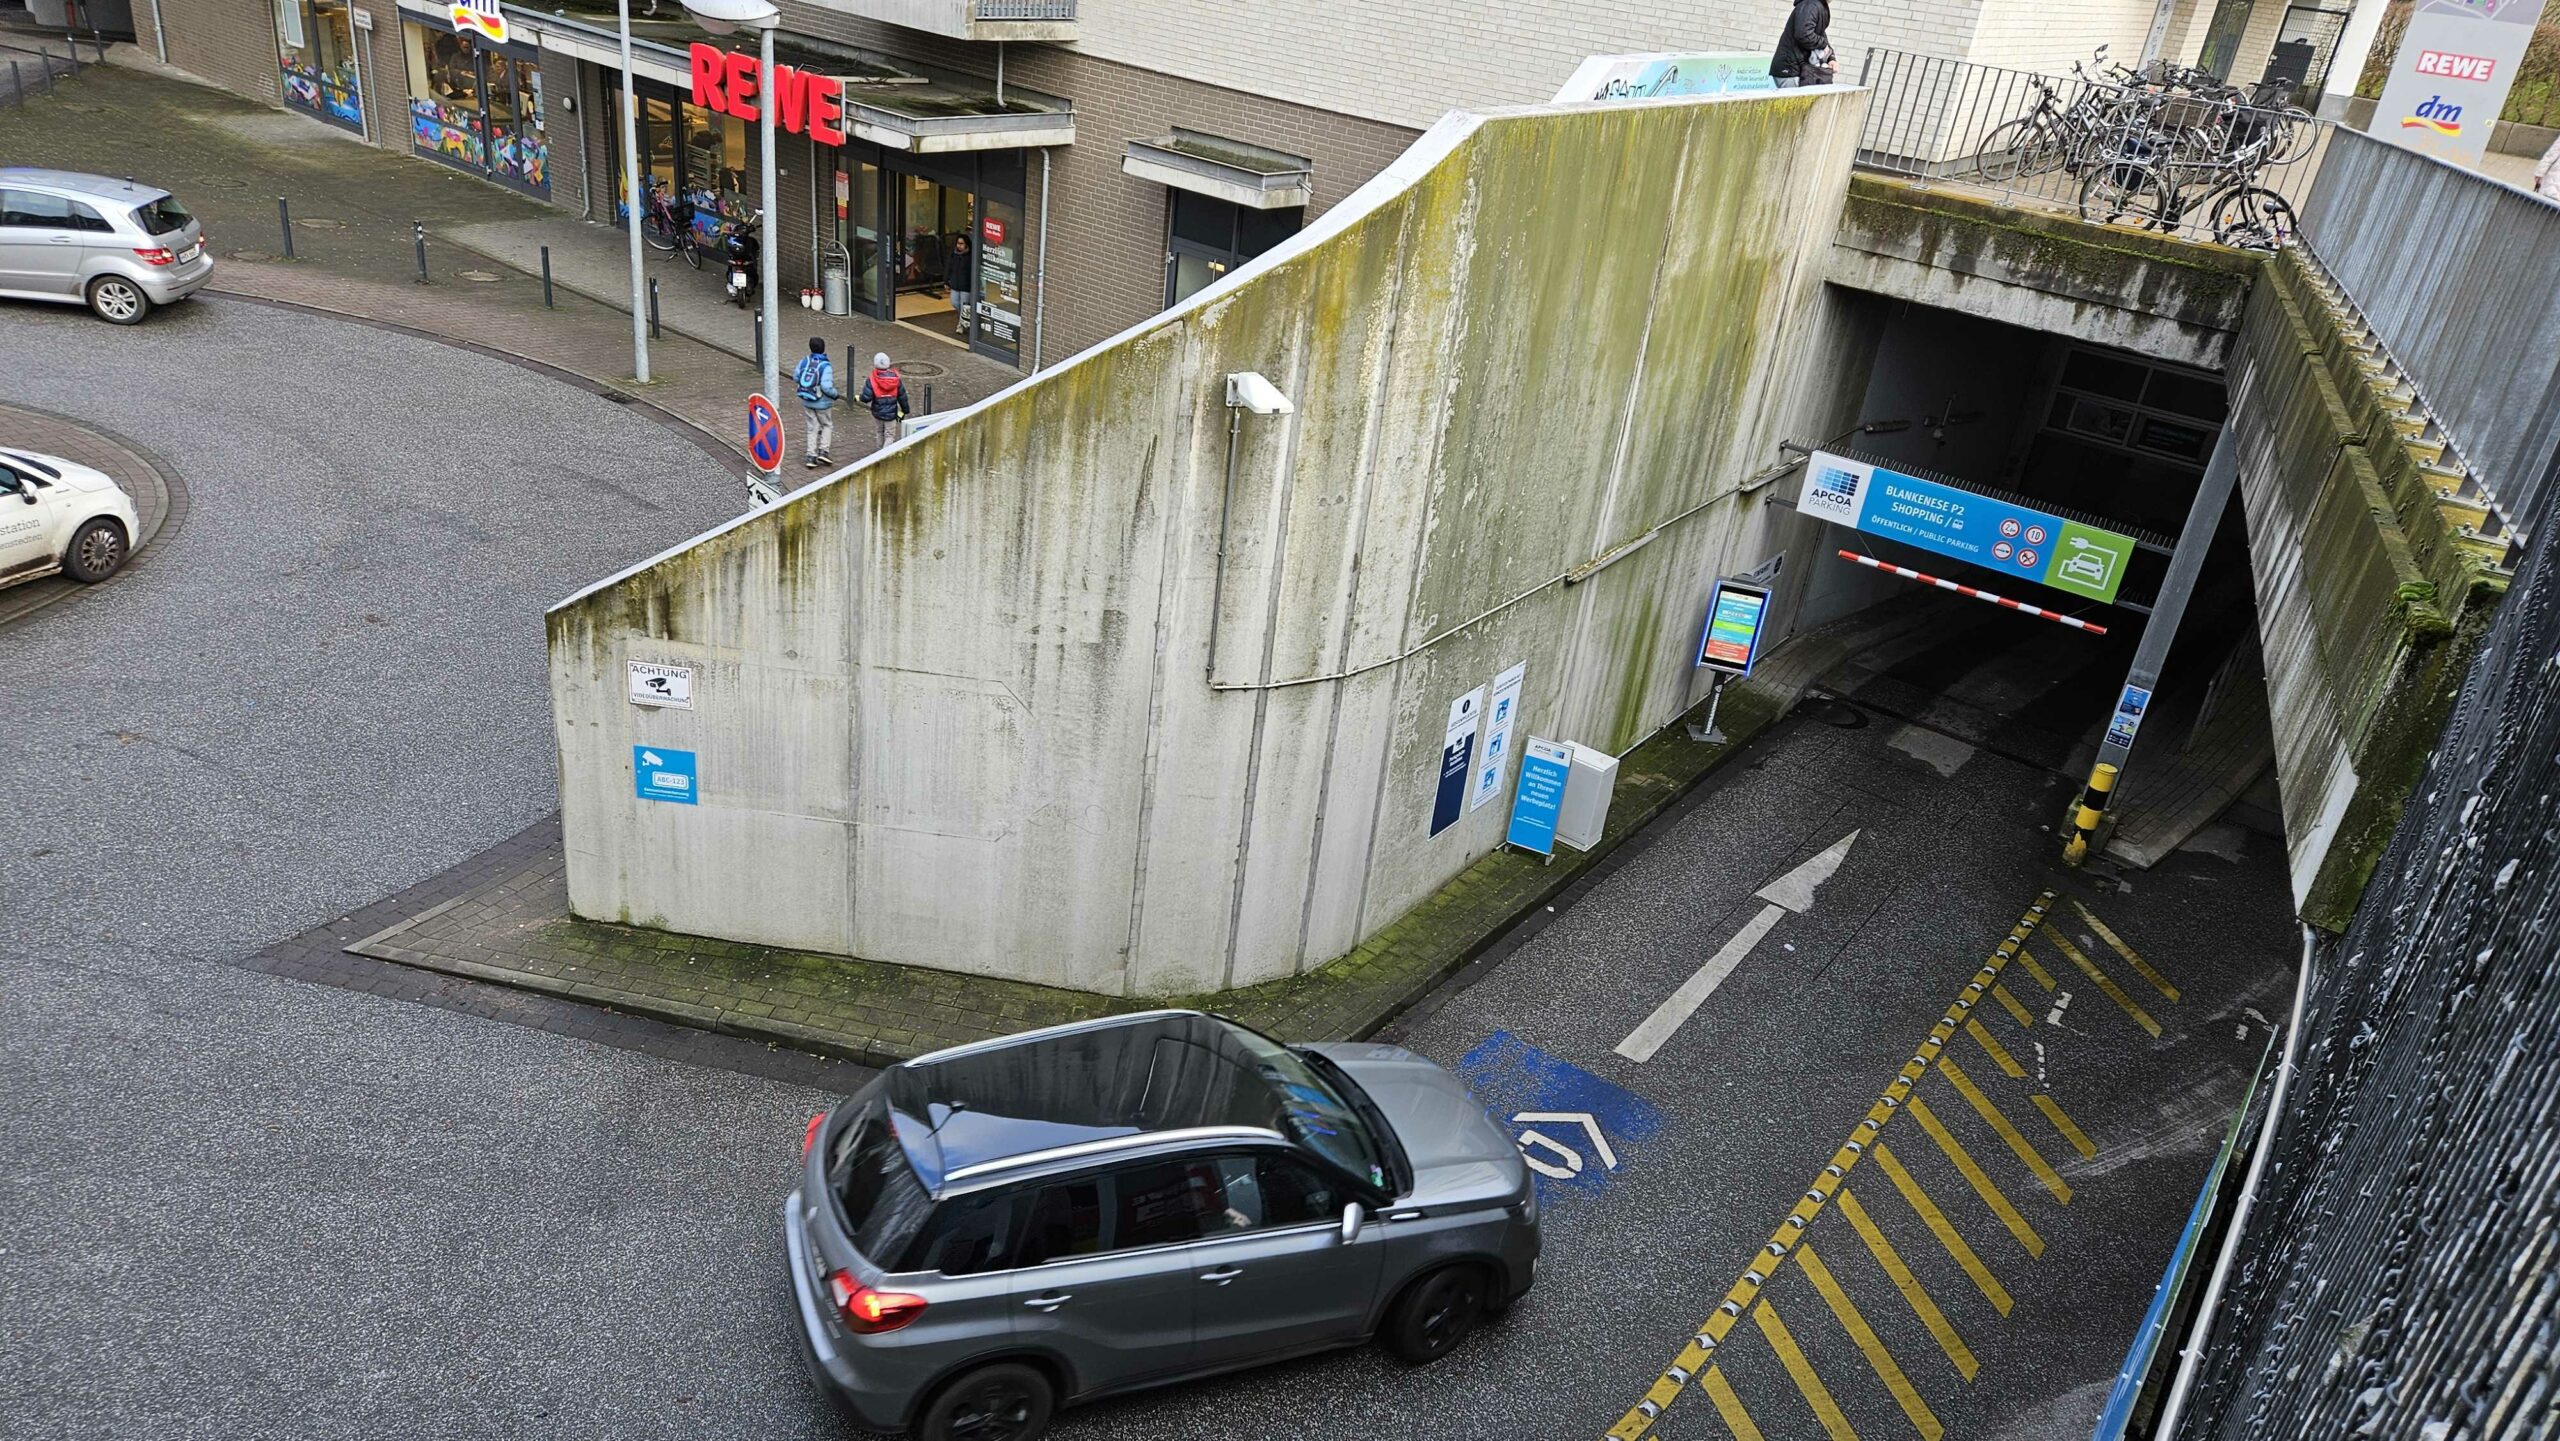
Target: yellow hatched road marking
(2008,1002)
(1816,1395)
(2107,984)
(1980,1178)
(2043,977)
(2078,1138)
(2132,957)
(1729,1406)
(2009,1133)
(1694,1355)
(1909,1285)
(1945,1231)
(1887,1371)
(1998,1053)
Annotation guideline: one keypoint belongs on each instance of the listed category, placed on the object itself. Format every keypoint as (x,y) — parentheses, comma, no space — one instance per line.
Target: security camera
(1248,389)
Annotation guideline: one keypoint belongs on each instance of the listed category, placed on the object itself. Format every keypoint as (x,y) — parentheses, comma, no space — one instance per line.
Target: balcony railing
(2168,151)
(970,19)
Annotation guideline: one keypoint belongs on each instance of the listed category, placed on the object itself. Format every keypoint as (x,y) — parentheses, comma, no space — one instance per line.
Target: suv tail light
(809,1137)
(157,255)
(871,1312)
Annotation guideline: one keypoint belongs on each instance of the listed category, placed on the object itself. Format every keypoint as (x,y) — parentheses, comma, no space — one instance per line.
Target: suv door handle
(1222,1275)
(1050,1300)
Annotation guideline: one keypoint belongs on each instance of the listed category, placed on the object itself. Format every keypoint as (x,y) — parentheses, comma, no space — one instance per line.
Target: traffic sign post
(764,434)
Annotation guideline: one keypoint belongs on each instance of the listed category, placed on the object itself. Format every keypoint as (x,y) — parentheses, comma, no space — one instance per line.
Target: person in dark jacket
(1804,47)
(960,276)
(885,391)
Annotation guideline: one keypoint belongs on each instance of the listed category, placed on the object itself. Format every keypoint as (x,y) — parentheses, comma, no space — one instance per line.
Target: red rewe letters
(2452,65)
(710,65)
(725,82)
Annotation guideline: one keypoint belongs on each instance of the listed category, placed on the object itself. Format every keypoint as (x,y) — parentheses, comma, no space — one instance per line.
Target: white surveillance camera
(1248,388)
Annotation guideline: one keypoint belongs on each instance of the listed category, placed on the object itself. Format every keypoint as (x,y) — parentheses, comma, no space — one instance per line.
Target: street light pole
(768,257)
(631,203)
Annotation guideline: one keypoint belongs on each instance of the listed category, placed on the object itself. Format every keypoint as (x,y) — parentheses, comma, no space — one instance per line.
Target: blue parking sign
(660,774)
(1545,766)
(1576,1130)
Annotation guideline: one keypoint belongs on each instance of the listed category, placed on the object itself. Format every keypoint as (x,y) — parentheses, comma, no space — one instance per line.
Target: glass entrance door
(931,215)
(857,234)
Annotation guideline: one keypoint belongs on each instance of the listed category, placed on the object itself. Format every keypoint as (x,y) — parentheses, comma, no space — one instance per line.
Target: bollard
(284,222)
(759,319)
(546,277)
(44,62)
(17,86)
(98,43)
(653,310)
(928,397)
(419,228)
(2091,810)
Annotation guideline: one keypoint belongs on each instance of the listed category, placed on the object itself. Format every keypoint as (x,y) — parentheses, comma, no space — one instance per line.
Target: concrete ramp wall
(958,707)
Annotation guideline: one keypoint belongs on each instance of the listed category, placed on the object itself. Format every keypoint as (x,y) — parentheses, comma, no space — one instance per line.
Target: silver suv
(985,1234)
(115,246)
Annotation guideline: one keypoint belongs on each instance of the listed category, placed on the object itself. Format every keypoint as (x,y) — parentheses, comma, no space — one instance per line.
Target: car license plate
(188,255)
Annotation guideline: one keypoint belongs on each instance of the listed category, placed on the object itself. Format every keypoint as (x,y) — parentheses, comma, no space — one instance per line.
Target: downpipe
(1226,504)
(2191,1356)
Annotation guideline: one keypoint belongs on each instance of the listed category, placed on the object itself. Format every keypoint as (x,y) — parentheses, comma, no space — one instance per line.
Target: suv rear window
(883,1202)
(162,216)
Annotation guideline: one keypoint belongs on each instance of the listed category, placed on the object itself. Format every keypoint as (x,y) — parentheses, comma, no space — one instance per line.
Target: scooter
(738,242)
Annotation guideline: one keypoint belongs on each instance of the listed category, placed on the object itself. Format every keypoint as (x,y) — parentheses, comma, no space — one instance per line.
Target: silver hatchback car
(986,1234)
(118,247)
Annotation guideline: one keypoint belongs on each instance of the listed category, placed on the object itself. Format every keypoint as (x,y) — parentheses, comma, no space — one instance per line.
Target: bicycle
(669,226)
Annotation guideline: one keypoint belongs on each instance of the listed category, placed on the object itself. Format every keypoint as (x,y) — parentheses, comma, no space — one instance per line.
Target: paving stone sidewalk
(159,495)
(512,926)
(355,255)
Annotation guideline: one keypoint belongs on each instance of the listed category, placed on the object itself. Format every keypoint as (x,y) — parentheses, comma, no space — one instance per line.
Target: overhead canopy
(1230,170)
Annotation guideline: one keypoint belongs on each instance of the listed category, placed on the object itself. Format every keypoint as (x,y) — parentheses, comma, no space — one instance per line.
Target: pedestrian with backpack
(815,376)
(885,391)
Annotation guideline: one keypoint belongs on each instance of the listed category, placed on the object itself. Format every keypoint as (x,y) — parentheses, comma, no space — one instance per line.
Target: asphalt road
(233,1205)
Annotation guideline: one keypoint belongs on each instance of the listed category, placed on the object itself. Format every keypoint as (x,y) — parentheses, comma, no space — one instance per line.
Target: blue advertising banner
(1976,529)
(1545,766)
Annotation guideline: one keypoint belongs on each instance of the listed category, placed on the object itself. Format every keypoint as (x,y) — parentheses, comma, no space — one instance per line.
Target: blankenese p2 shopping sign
(1961,525)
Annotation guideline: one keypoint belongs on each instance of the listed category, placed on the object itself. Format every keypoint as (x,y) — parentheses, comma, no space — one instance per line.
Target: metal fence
(2456,275)
(2173,153)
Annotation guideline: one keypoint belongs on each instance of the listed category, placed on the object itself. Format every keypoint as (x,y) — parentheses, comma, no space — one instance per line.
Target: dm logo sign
(1577,1131)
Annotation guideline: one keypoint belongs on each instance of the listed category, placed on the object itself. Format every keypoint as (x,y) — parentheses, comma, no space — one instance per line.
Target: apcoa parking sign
(1981,530)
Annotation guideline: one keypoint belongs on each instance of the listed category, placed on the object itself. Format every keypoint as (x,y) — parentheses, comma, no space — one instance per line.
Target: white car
(60,515)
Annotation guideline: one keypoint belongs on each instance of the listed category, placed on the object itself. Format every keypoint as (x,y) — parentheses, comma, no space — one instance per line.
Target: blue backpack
(816,378)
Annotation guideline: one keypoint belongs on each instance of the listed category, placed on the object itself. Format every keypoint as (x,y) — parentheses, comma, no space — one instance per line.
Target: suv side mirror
(27,494)
(1351,1218)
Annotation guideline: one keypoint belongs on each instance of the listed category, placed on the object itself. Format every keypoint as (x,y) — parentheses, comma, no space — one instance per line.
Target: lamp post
(631,202)
(721,17)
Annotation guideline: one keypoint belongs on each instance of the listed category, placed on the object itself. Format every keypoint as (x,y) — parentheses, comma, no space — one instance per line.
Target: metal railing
(2172,152)
(1023,9)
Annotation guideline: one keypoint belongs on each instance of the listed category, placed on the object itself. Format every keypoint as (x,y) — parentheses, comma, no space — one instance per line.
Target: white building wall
(2045,37)
(1409,61)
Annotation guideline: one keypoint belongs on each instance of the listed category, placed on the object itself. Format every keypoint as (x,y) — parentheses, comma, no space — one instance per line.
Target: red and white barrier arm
(1965,590)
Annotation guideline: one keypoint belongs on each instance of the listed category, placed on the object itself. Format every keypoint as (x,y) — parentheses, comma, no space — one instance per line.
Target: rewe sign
(2457,61)
(726,82)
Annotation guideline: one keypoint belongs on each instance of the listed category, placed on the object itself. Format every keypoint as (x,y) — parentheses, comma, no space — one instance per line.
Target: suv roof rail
(1108,1145)
(998,1043)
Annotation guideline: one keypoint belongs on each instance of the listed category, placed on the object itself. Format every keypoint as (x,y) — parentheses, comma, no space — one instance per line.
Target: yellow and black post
(2091,810)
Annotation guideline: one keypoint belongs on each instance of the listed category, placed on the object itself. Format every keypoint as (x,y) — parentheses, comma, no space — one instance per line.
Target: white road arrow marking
(1795,889)
(1790,892)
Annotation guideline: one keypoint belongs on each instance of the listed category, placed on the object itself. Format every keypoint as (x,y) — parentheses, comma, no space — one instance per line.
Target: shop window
(477,108)
(316,55)
(1207,237)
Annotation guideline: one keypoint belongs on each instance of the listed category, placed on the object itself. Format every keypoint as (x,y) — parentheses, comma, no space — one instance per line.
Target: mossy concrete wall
(955,707)
(2372,596)
(2156,295)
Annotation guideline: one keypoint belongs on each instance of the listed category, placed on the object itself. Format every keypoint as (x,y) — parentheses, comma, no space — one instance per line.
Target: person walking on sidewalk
(815,376)
(960,273)
(885,391)
(1803,56)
